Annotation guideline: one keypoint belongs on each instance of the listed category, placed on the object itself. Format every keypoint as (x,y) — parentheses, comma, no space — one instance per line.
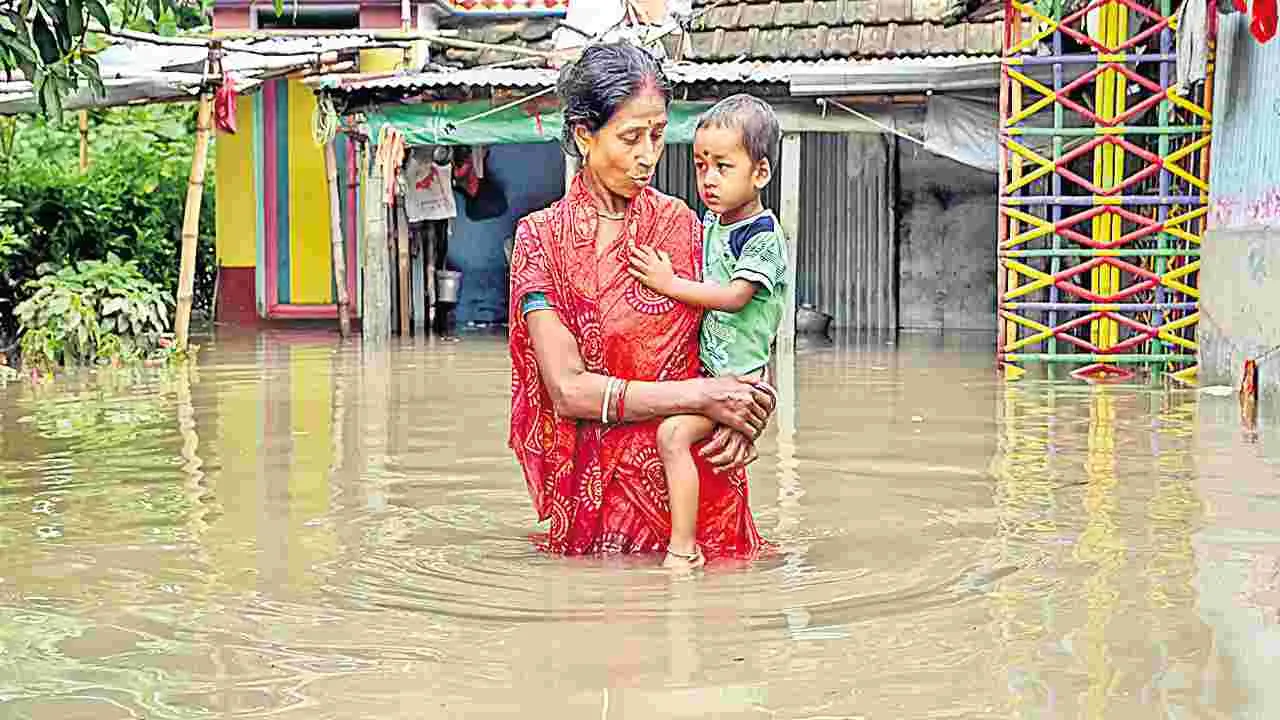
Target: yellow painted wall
(310,268)
(381,60)
(236,229)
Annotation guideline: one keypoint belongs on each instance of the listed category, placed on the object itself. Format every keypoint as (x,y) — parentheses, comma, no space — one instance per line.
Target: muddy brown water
(295,530)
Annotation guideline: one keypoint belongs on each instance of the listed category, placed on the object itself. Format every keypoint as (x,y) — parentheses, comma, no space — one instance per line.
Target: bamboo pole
(191,223)
(84,140)
(335,236)
(402,253)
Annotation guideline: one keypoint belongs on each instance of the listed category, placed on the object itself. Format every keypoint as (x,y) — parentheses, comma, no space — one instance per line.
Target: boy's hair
(761,134)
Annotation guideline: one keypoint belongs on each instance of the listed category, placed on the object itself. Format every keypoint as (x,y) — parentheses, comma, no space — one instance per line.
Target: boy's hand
(652,268)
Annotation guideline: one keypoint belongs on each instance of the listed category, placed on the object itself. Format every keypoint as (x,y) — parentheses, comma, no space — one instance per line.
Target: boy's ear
(763,174)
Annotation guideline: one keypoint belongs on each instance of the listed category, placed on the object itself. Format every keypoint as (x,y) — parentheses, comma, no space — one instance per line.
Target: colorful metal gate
(1104,190)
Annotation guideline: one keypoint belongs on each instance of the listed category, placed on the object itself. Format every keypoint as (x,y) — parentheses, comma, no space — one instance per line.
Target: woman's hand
(737,404)
(729,450)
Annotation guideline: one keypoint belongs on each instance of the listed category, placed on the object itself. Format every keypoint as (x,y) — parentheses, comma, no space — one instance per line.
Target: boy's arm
(653,269)
(726,298)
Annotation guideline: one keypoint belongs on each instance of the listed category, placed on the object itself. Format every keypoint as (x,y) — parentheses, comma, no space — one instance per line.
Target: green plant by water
(128,204)
(96,311)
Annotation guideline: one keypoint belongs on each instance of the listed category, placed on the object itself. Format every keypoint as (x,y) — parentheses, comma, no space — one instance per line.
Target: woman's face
(623,155)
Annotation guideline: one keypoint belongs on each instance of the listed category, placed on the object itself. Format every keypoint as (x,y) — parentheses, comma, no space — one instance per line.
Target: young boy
(745,266)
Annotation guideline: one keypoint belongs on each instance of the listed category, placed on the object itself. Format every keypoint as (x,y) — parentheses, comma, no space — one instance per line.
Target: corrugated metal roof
(899,76)
(132,58)
(137,71)
(680,73)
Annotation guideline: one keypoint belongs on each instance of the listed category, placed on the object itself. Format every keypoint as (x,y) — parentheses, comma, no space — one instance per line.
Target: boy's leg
(676,438)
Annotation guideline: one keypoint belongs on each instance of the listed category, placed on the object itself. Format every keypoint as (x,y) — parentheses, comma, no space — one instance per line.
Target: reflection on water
(299,530)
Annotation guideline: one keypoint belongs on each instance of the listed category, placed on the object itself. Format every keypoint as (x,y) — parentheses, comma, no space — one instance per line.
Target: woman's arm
(576,393)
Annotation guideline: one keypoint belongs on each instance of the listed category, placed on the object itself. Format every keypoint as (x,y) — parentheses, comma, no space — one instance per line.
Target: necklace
(611,216)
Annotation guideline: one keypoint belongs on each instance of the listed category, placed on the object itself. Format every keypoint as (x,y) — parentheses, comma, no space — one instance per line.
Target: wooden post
(335,237)
(418,241)
(191,223)
(790,216)
(402,255)
(84,140)
(376,312)
(433,231)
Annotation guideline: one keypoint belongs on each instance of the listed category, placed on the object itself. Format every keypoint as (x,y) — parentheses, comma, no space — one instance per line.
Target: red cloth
(1263,26)
(224,107)
(603,488)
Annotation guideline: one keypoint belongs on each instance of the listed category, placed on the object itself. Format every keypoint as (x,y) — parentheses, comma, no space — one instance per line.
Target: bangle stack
(614,404)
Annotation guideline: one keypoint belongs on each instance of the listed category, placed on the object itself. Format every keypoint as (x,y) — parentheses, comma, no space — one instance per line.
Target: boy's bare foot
(681,561)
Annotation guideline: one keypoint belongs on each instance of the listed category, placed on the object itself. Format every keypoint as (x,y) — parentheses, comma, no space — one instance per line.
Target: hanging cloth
(390,156)
(224,106)
(466,177)
(428,191)
(1192,41)
(1263,25)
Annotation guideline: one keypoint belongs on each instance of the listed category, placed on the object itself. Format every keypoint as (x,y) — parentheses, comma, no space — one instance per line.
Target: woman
(598,360)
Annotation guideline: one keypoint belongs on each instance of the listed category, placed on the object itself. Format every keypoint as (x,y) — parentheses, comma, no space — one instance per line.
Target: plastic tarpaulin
(533,122)
(964,131)
(968,131)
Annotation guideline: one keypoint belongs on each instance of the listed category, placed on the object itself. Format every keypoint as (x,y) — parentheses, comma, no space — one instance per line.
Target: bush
(129,204)
(97,311)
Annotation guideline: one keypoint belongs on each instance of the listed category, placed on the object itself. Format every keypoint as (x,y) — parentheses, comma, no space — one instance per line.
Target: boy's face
(727,179)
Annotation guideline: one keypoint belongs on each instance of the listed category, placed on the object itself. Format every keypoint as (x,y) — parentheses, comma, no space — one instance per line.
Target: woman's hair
(601,81)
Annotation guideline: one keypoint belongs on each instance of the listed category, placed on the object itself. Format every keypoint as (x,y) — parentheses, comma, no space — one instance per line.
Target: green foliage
(93,311)
(10,243)
(129,203)
(51,42)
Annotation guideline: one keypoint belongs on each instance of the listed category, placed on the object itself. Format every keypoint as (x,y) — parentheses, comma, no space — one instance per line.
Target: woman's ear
(583,139)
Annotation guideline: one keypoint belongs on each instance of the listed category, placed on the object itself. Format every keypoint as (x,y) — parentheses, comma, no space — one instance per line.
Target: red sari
(603,487)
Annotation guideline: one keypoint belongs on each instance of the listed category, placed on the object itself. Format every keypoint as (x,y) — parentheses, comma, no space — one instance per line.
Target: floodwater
(295,530)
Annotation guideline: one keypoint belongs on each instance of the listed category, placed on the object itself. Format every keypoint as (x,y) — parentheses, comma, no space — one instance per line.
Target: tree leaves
(98,12)
(50,93)
(45,40)
(75,18)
